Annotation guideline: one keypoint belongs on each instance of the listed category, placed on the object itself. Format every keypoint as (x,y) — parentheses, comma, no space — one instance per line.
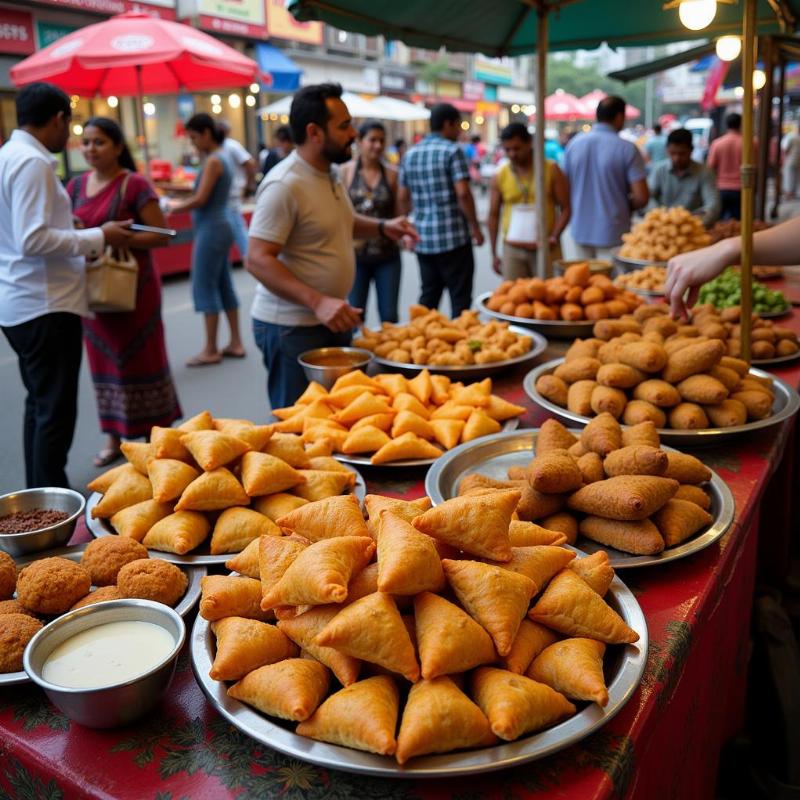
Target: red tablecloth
(664,743)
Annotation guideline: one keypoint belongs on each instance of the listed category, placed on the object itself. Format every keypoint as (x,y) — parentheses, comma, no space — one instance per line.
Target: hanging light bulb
(728,48)
(738,92)
(255,88)
(697,14)
(234,101)
(250,100)
(112,101)
(759,79)
(215,99)
(77,129)
(149,109)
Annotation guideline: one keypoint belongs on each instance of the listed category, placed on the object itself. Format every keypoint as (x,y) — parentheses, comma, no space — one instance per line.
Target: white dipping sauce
(108,654)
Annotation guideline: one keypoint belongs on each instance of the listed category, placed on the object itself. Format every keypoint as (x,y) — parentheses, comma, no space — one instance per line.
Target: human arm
(637,179)
(150,214)
(562,198)
(493,224)
(654,185)
(403,192)
(640,194)
(459,175)
(250,173)
(710,196)
(394,229)
(212,171)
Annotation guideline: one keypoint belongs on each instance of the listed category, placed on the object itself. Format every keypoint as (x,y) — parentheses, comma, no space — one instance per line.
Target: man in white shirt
(42,278)
(301,243)
(244,181)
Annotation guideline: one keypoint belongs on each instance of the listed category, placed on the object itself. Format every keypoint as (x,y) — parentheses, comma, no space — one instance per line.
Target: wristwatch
(381,231)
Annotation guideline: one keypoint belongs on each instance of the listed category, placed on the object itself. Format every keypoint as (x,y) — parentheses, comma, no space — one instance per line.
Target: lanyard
(524,189)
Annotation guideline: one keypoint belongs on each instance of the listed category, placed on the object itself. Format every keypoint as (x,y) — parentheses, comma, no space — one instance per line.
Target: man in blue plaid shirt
(434,182)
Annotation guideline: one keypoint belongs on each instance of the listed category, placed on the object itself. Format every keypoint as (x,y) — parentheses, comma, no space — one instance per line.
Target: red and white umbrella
(562,107)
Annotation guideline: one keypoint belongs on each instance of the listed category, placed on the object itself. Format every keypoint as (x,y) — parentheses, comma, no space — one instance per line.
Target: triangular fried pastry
(405,509)
(539,563)
(407,446)
(382,422)
(602,434)
(531,639)
(324,519)
(290,689)
(169,477)
(246,644)
(362,716)
(246,562)
(166,443)
(493,596)
(212,491)
(136,520)
(448,639)
(317,409)
(199,422)
(393,383)
(127,490)
(320,484)
(421,386)
(364,405)
(595,570)
(516,705)
(440,392)
(371,629)
(366,439)
(625,497)
(479,424)
(288,448)
(553,436)
(408,562)
(362,584)
(476,480)
(438,718)
(342,398)
(212,449)
(451,410)
(573,667)
(405,401)
(499,409)
(321,572)
(328,464)
(236,527)
(255,435)
(223,423)
(265,474)
(103,481)
(477,525)
(138,454)
(475,394)
(276,505)
(275,555)
(230,596)
(319,448)
(561,522)
(640,537)
(406,421)
(355,378)
(677,520)
(447,432)
(556,472)
(178,533)
(529,534)
(337,438)
(314,391)
(570,606)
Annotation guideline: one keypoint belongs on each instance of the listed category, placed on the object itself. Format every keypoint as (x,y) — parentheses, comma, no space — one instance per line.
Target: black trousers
(452,270)
(730,204)
(48,349)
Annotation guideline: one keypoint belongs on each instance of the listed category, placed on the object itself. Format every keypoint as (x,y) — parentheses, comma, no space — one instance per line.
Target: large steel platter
(552,329)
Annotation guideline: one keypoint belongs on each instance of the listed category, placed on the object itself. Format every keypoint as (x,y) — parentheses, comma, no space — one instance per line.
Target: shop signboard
(164,9)
(234,17)
(16,32)
(49,32)
(473,90)
(282,25)
(396,82)
(493,70)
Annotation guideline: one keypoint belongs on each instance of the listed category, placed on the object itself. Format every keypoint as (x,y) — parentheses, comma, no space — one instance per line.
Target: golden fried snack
(137,454)
(607,329)
(288,448)
(595,570)
(212,491)
(703,389)
(686,468)
(694,494)
(263,474)
(636,460)
(639,412)
(538,562)
(602,435)
(591,468)
(153,579)
(645,356)
(178,533)
(103,481)
(554,472)
(573,667)
(579,397)
(624,497)
(553,436)
(52,585)
(639,537)
(409,445)
(607,399)
(104,558)
(757,403)
(688,416)
(8,576)
(408,562)
(693,359)
(320,484)
(658,393)
(237,527)
(166,443)
(127,489)
(14,607)
(324,519)
(561,522)
(531,639)
(101,595)
(528,534)
(577,369)
(405,509)
(619,376)
(136,520)
(230,596)
(16,630)
(643,433)
(727,414)
(677,520)
(169,477)
(247,644)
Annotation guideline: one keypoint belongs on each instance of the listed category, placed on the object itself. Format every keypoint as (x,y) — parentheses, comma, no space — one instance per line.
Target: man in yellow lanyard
(514,184)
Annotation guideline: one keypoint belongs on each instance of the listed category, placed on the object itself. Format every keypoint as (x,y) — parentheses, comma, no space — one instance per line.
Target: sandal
(106,456)
(228,353)
(203,361)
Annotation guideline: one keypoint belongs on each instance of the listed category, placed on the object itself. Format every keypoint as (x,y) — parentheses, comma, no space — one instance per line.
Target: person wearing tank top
(372,186)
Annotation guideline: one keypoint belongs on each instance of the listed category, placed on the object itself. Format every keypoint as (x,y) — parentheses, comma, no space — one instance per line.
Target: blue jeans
(212,284)
(239,229)
(387,286)
(280,345)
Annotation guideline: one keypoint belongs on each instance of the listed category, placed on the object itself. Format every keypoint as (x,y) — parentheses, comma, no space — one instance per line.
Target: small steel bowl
(327,375)
(597,266)
(53,498)
(121,703)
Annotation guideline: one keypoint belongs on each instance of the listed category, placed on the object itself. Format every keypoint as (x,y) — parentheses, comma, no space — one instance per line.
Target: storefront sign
(49,32)
(237,17)
(493,70)
(16,32)
(282,25)
(473,90)
(164,9)
(396,82)
(511,94)
(447,89)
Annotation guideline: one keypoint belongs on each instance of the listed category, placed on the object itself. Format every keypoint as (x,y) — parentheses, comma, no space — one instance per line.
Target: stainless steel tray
(201,555)
(628,264)
(552,329)
(765,362)
(787,309)
(363,461)
(493,455)
(785,406)
(184,606)
(624,665)
(475,371)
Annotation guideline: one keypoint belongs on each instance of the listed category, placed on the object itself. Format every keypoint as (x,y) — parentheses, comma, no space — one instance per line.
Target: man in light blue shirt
(656,146)
(607,180)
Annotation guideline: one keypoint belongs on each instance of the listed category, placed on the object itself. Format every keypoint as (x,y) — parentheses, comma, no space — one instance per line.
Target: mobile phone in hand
(150,229)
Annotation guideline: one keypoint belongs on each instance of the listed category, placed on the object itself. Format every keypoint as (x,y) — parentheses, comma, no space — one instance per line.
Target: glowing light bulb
(112,101)
(728,48)
(149,109)
(759,79)
(77,129)
(284,118)
(738,92)
(515,108)
(479,119)
(216,109)
(697,14)
(250,101)
(465,125)
(255,88)
(215,99)
(234,101)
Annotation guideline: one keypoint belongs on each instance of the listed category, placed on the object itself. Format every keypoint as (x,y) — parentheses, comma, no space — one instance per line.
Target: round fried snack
(152,579)
(105,557)
(14,607)
(99,596)
(52,585)
(8,576)
(16,630)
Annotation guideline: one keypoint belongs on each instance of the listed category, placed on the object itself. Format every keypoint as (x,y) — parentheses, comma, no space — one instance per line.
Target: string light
(697,14)
(464,125)
(515,108)
(149,109)
(112,101)
(77,129)
(728,48)
(479,120)
(284,118)
(216,108)
(234,101)
(759,79)
(250,101)
(215,99)
(255,88)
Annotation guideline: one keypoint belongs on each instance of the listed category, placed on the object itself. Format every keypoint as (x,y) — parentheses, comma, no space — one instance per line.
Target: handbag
(112,278)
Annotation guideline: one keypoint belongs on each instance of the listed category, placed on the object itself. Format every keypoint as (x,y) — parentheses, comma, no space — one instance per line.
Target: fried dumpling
(539,563)
(318,449)
(342,398)
(569,605)
(362,406)
(169,477)
(531,639)
(478,525)
(529,534)
(366,439)
(290,689)
(405,401)
(406,421)
(441,389)
(138,454)
(246,644)
(382,422)
(677,520)
(595,570)
(363,583)
(573,667)
(407,446)
(103,481)
(128,489)
(356,377)
(447,432)
(640,537)
(421,386)
(362,716)
(199,422)
(255,435)
(325,519)
(265,474)
(275,554)
(408,562)
(493,596)
(320,484)
(625,497)
(499,409)
(236,527)
(288,448)
(277,505)
(314,391)
(230,596)
(326,464)
(166,443)
(475,394)
(405,509)
(178,533)
(213,449)
(246,562)
(479,424)
(448,639)
(136,520)
(212,491)
(393,383)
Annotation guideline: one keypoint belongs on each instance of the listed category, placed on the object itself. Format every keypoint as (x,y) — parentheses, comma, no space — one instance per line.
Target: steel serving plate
(201,555)
(777,360)
(473,372)
(552,329)
(194,573)
(493,455)
(364,461)
(787,309)
(629,264)
(623,667)
(785,406)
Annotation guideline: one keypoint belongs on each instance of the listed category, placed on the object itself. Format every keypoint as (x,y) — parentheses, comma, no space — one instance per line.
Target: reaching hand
(117,234)
(400,228)
(337,314)
(692,270)
(477,236)
(497,264)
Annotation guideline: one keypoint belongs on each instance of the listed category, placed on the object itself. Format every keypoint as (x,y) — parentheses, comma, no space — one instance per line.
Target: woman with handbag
(126,350)
(212,283)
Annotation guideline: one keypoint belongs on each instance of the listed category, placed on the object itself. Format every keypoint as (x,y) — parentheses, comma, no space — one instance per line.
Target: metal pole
(748,170)
(779,128)
(543,266)
(765,127)
(140,115)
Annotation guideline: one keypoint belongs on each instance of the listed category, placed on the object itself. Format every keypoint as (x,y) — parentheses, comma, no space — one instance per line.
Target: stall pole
(543,266)
(140,117)
(747,171)
(765,127)
(779,128)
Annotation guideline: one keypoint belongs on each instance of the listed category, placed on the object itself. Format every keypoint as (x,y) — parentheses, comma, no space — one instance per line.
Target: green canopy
(508,27)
